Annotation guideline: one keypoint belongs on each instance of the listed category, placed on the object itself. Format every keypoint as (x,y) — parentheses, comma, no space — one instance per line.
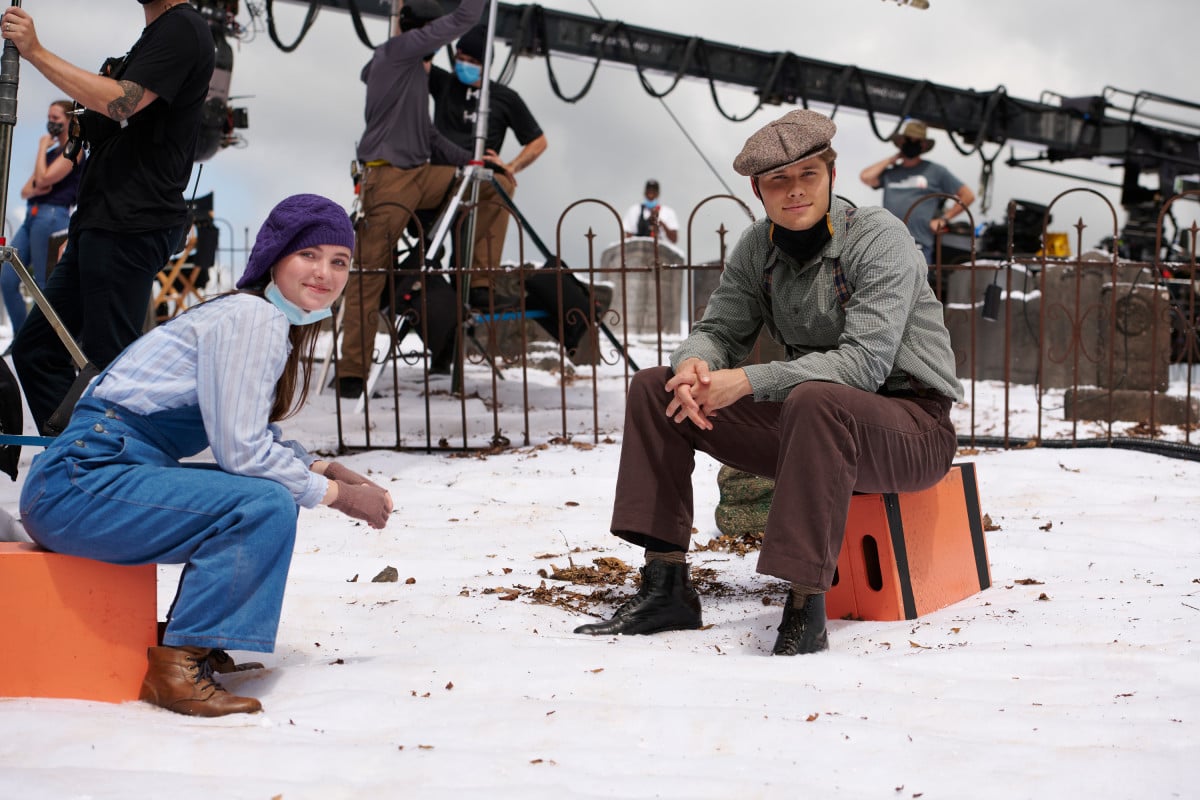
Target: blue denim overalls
(111,488)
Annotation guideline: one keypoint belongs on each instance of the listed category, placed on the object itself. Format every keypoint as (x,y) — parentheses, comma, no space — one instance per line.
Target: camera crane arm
(1084,128)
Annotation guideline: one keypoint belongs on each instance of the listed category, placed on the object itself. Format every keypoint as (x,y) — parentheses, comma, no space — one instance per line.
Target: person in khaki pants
(409,165)
(387,195)
(860,402)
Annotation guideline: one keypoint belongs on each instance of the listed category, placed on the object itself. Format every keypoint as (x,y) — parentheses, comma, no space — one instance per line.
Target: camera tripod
(475,173)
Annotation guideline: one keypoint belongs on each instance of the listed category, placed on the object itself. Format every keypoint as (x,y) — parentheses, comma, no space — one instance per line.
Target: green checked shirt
(886,330)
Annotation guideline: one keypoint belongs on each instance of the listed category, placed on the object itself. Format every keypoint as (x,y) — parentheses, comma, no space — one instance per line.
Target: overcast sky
(305,108)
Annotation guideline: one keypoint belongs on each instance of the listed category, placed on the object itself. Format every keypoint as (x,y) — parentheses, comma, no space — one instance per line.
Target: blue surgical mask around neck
(650,204)
(468,73)
(295,314)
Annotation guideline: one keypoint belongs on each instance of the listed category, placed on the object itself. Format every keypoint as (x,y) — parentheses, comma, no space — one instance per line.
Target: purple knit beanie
(299,221)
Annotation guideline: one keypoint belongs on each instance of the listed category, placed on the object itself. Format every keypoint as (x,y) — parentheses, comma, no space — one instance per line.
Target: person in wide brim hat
(916,131)
(916,189)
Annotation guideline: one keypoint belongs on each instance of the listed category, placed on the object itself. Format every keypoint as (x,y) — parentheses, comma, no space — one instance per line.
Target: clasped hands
(699,393)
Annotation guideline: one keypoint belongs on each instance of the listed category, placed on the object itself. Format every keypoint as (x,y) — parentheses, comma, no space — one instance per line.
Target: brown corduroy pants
(820,445)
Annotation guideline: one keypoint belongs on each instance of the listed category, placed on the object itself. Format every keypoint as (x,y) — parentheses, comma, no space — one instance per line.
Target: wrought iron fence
(1057,342)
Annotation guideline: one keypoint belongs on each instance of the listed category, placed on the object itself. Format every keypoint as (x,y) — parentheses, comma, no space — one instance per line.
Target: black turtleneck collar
(802,246)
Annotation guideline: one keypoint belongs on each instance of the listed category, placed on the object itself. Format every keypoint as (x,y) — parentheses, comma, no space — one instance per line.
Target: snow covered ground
(1075,675)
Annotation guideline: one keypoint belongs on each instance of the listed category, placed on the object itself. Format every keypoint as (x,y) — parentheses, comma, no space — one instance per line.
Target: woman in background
(50,193)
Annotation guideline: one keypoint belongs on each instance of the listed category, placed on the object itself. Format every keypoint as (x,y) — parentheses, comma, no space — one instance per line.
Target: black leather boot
(802,630)
(666,602)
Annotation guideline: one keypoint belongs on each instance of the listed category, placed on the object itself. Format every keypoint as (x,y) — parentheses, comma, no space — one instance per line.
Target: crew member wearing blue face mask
(650,217)
(456,102)
(113,487)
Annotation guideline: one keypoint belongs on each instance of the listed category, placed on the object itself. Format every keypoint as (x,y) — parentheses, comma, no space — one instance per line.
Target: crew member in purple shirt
(408,165)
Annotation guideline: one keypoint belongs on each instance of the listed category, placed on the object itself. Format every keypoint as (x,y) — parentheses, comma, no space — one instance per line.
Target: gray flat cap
(795,136)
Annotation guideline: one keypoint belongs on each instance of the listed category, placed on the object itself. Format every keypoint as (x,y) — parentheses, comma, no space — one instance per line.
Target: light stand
(473,174)
(474,171)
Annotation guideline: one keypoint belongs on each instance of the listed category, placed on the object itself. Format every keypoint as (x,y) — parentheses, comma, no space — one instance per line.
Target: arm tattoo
(123,107)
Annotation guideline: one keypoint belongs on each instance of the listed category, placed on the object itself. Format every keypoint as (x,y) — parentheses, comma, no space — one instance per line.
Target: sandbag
(745,502)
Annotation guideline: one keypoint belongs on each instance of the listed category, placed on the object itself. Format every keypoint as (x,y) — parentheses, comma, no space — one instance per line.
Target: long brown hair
(291,390)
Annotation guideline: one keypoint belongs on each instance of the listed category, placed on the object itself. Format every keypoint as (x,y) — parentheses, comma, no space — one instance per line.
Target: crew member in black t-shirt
(141,125)
(456,102)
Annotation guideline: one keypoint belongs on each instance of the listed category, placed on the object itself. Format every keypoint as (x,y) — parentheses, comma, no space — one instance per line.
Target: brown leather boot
(180,679)
(222,663)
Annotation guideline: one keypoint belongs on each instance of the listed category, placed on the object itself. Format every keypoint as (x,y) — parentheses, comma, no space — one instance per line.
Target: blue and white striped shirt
(224,356)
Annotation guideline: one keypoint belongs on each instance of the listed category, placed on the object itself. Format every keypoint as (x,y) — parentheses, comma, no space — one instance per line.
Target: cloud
(306,107)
